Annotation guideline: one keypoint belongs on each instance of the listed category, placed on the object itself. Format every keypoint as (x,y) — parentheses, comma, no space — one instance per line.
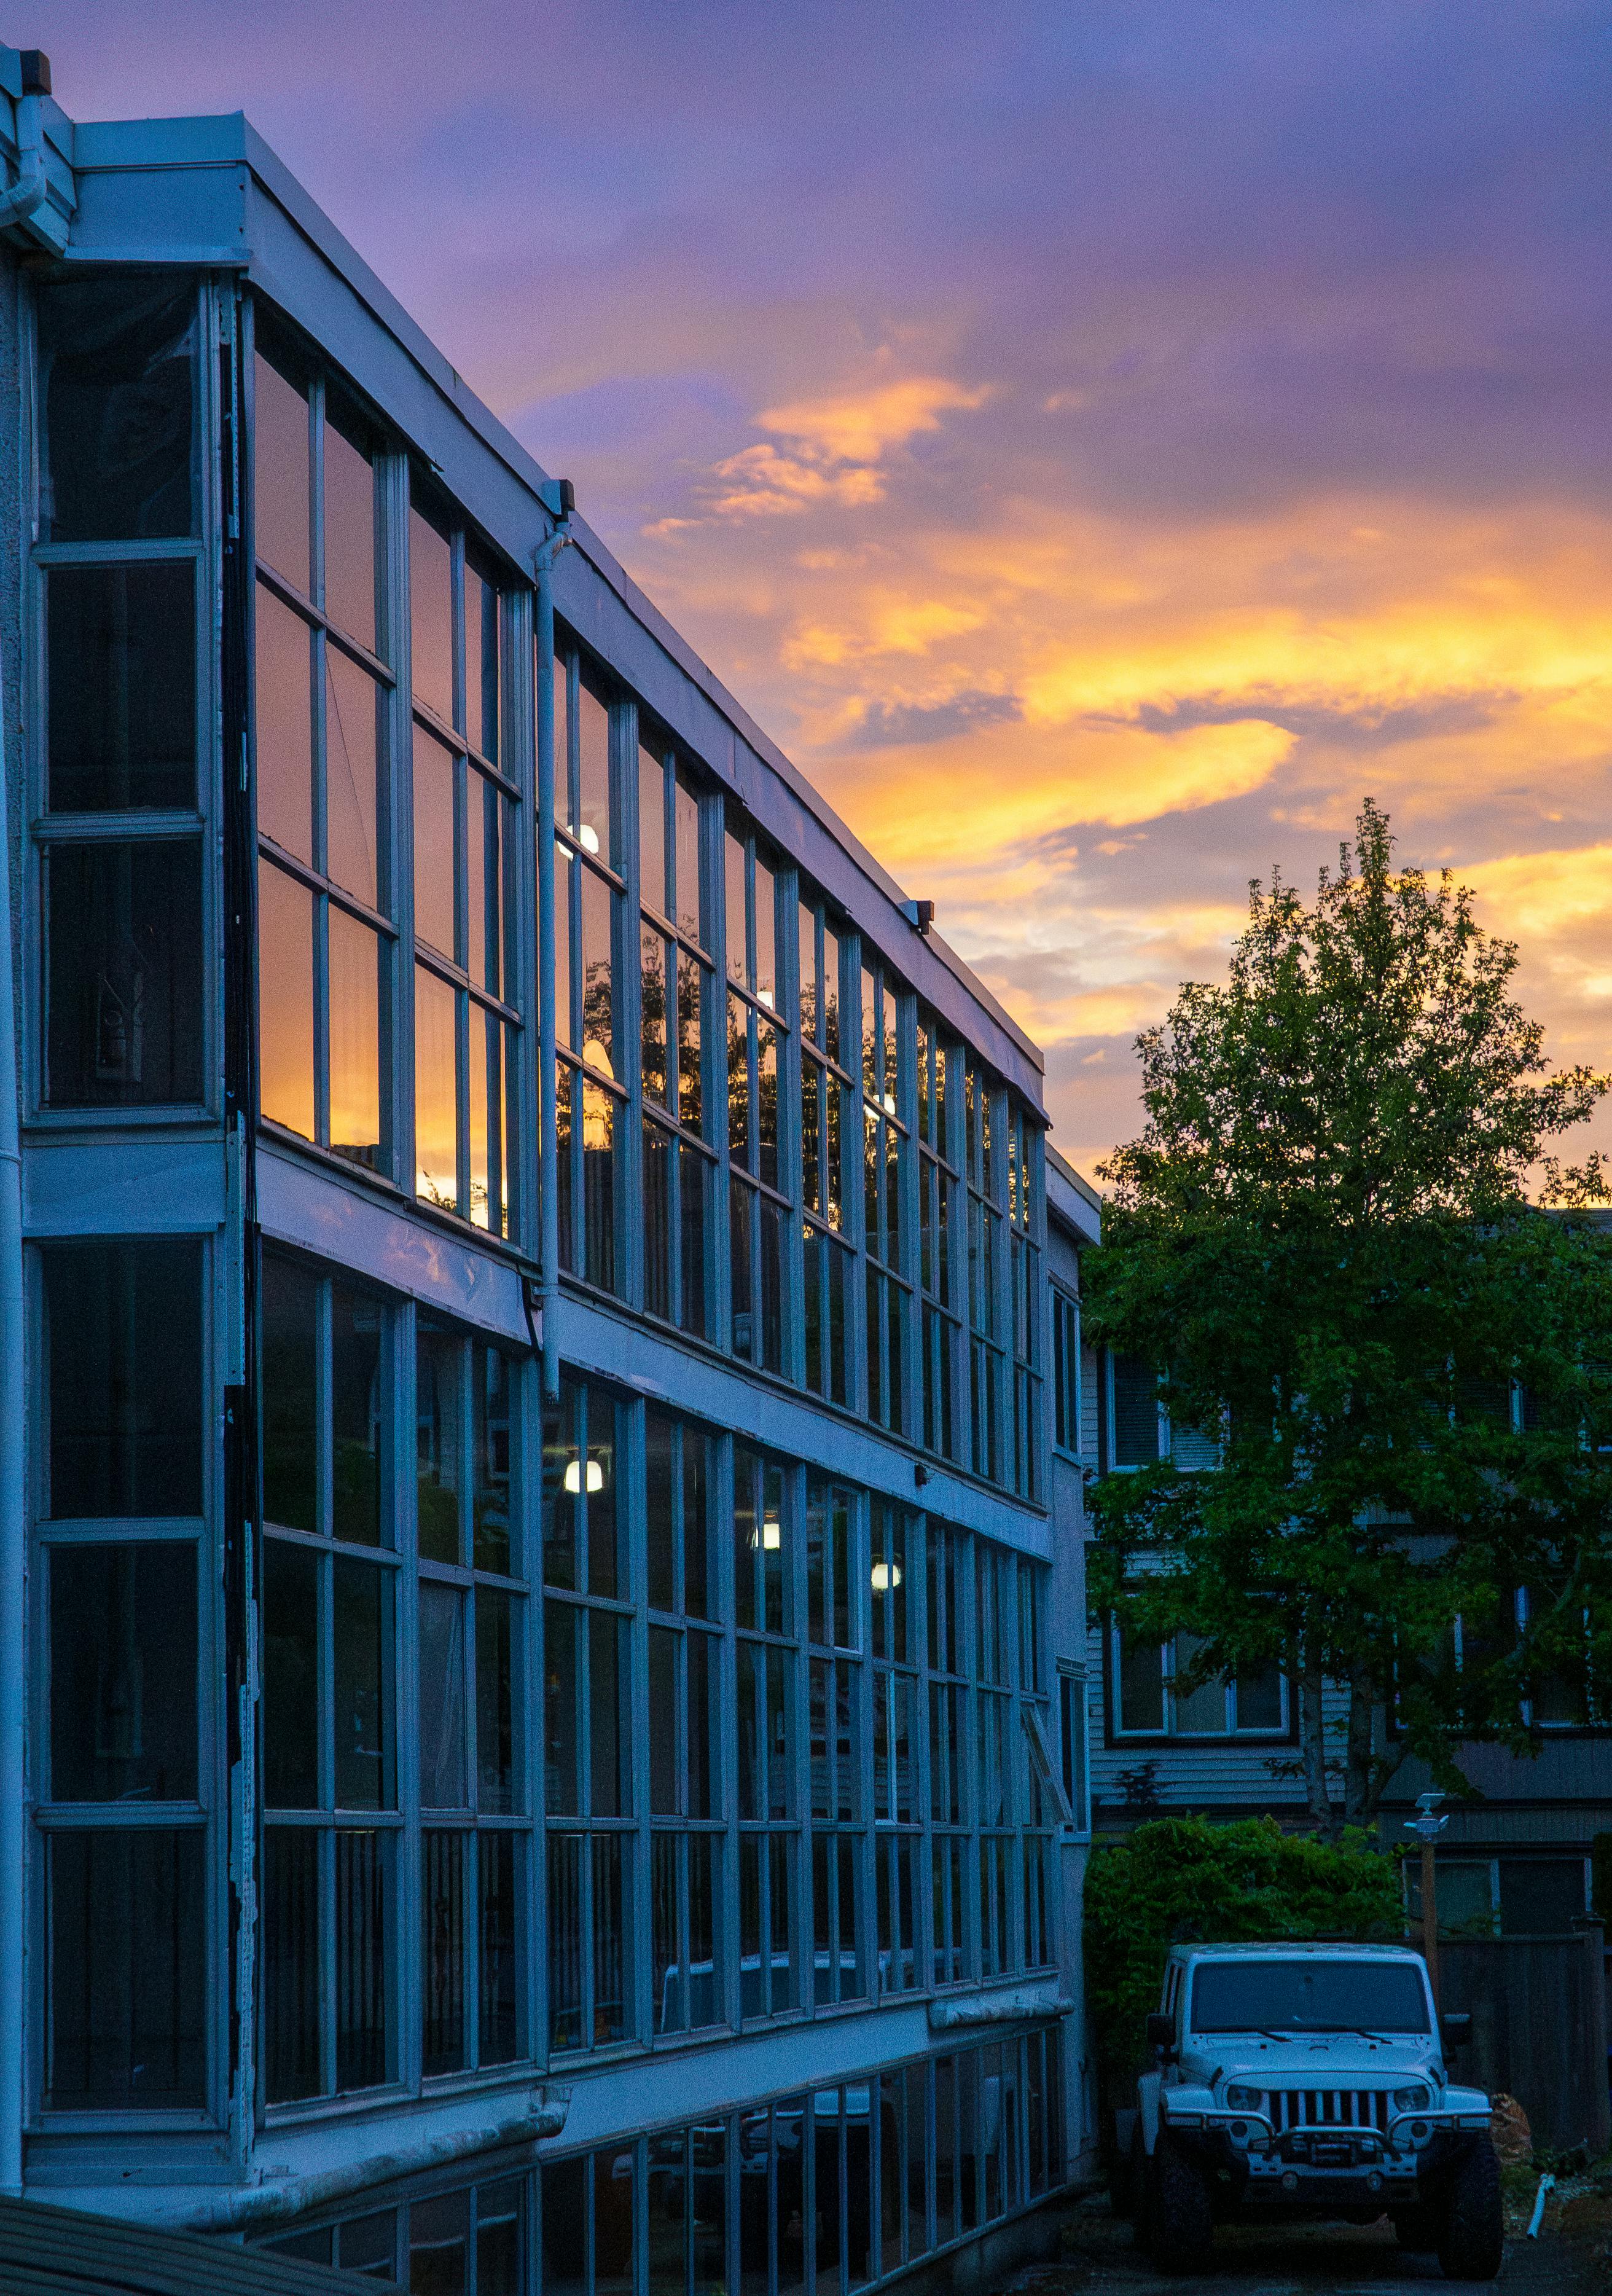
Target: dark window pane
(431,615)
(651,830)
(439,1427)
(495,1700)
(559,1735)
(1135,1412)
(598,1186)
(436,1092)
(349,524)
(291,1305)
(284,722)
(664,1798)
(698,1587)
(565,1957)
(290,1676)
(362,2051)
(351,710)
(612,1963)
(125,2027)
(1540,1897)
(442,1974)
(290,1963)
(608,1718)
(605,1570)
(285,1015)
(442,1715)
(593,771)
(279,468)
(490,1384)
(357,1415)
(483,882)
(123,1672)
(658,1153)
(124,1351)
(355,1040)
(500,2036)
(124,992)
(433,844)
(122,686)
(659,1471)
(693,1182)
(561,1490)
(361,1632)
(116,365)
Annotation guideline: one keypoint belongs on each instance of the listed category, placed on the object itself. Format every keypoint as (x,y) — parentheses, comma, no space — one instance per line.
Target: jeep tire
(1180,2225)
(1472,2237)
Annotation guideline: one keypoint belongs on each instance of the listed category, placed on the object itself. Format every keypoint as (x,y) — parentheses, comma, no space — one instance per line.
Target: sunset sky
(1101,439)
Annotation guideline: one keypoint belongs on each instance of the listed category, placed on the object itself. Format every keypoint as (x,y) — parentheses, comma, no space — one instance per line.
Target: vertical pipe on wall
(547,1079)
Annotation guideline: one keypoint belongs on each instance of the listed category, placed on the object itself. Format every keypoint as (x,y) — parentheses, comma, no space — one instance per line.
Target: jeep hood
(1340,2061)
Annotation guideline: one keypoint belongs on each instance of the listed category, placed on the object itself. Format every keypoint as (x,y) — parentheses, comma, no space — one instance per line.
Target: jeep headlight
(1411,2100)
(1242,2099)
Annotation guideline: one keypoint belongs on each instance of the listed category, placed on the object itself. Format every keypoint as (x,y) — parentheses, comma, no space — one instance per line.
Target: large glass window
(836,1610)
(1024,1293)
(326,941)
(826,1090)
(887,1068)
(589,887)
(675,997)
(897,1813)
(465,849)
(120,1790)
(767,1739)
(939,1185)
(758,1033)
(117,592)
(685,1735)
(329,1699)
(983,1117)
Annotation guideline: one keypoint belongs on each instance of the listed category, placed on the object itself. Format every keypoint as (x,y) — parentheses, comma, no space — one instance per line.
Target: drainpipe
(549,1142)
(26,196)
(14,1538)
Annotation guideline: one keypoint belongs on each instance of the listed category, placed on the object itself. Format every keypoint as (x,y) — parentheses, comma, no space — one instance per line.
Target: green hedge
(1184,1880)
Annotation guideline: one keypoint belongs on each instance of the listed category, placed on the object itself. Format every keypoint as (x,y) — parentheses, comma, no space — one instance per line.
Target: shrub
(1183,1880)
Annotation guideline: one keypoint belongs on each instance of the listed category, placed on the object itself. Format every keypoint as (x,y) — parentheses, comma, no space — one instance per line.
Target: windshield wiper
(1382,2038)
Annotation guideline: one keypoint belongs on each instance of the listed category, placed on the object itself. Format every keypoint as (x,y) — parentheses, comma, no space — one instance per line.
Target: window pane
(608,1731)
(489,1165)
(766,962)
(665,1797)
(685,811)
(362,2051)
(117,463)
(830,994)
(434,868)
(361,1636)
(442,1973)
(598,1186)
(122,686)
(349,525)
(490,1386)
(1141,1685)
(290,1676)
(126,2028)
(561,1779)
(594,768)
(286,1010)
(500,2003)
(123,1672)
(290,1963)
(565,895)
(598,1020)
(691,977)
(1135,1412)
(484,881)
(351,704)
(698,1587)
(436,1092)
(439,1422)
(495,1700)
(290,1436)
(357,1416)
(613,2021)
(693,1186)
(431,616)
(125,1376)
(124,984)
(355,1040)
(285,724)
(661,1499)
(606,1568)
(1259,1699)
(481,651)
(442,1784)
(651,831)
(734,885)
(657,1154)
(279,468)
(653,1053)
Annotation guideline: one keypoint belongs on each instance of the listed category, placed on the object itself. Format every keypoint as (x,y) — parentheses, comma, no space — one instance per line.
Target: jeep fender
(1146,2107)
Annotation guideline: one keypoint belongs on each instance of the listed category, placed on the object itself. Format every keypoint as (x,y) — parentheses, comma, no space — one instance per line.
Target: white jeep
(1307,2080)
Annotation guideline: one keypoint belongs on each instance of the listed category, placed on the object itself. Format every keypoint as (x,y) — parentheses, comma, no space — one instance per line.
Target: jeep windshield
(1307,1996)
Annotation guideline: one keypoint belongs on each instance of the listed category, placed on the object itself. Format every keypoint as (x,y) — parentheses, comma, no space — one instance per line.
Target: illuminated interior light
(587,837)
(886,1577)
(573,1476)
(765,997)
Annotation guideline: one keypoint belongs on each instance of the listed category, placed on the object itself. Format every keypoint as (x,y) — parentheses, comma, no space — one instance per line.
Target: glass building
(537,1614)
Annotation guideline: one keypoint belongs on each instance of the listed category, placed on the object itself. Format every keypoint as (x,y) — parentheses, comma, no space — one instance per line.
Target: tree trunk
(1313,1749)
(1360,1796)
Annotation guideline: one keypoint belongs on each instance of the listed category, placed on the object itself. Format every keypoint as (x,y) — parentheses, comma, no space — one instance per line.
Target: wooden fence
(1538,2006)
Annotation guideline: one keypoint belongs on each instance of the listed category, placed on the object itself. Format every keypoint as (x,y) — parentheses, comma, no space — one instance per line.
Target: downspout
(549,1123)
(14,1538)
(26,196)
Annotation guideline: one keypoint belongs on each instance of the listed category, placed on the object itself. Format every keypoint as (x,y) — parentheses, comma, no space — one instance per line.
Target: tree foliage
(1183,1880)
(1324,1235)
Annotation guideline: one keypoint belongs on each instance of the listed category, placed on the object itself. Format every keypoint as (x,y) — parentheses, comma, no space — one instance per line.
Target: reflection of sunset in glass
(1095,522)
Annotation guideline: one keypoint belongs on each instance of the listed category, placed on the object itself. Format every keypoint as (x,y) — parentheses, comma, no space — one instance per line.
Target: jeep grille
(1328,2108)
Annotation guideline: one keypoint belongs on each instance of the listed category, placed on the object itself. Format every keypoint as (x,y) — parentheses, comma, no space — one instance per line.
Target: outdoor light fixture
(771,1533)
(573,1476)
(887,1575)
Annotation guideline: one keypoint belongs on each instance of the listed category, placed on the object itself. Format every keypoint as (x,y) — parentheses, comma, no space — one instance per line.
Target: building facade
(537,1628)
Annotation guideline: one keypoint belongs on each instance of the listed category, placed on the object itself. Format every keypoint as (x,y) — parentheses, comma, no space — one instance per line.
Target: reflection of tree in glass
(738,1082)
(689,985)
(598,1032)
(653,1053)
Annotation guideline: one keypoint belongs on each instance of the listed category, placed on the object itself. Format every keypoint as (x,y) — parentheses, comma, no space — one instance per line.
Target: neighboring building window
(679,1165)
(940,1180)
(120,1788)
(758,1033)
(588,1725)
(825,1088)
(589,888)
(1153,1697)
(465,846)
(1066,1372)
(1134,1427)
(835,1613)
(887,1068)
(766,1739)
(326,935)
(897,1817)
(328,1606)
(121,595)
(1073,1746)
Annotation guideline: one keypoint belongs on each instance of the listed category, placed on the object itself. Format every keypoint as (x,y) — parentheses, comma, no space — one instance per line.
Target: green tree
(1324,1236)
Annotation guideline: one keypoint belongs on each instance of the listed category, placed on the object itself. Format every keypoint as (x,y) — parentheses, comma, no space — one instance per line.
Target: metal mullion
(107,826)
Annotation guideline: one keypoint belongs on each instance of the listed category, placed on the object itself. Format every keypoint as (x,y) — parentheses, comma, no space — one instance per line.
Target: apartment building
(536,1638)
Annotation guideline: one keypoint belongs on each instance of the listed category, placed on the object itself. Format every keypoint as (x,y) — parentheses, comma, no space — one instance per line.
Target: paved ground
(1101,2259)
